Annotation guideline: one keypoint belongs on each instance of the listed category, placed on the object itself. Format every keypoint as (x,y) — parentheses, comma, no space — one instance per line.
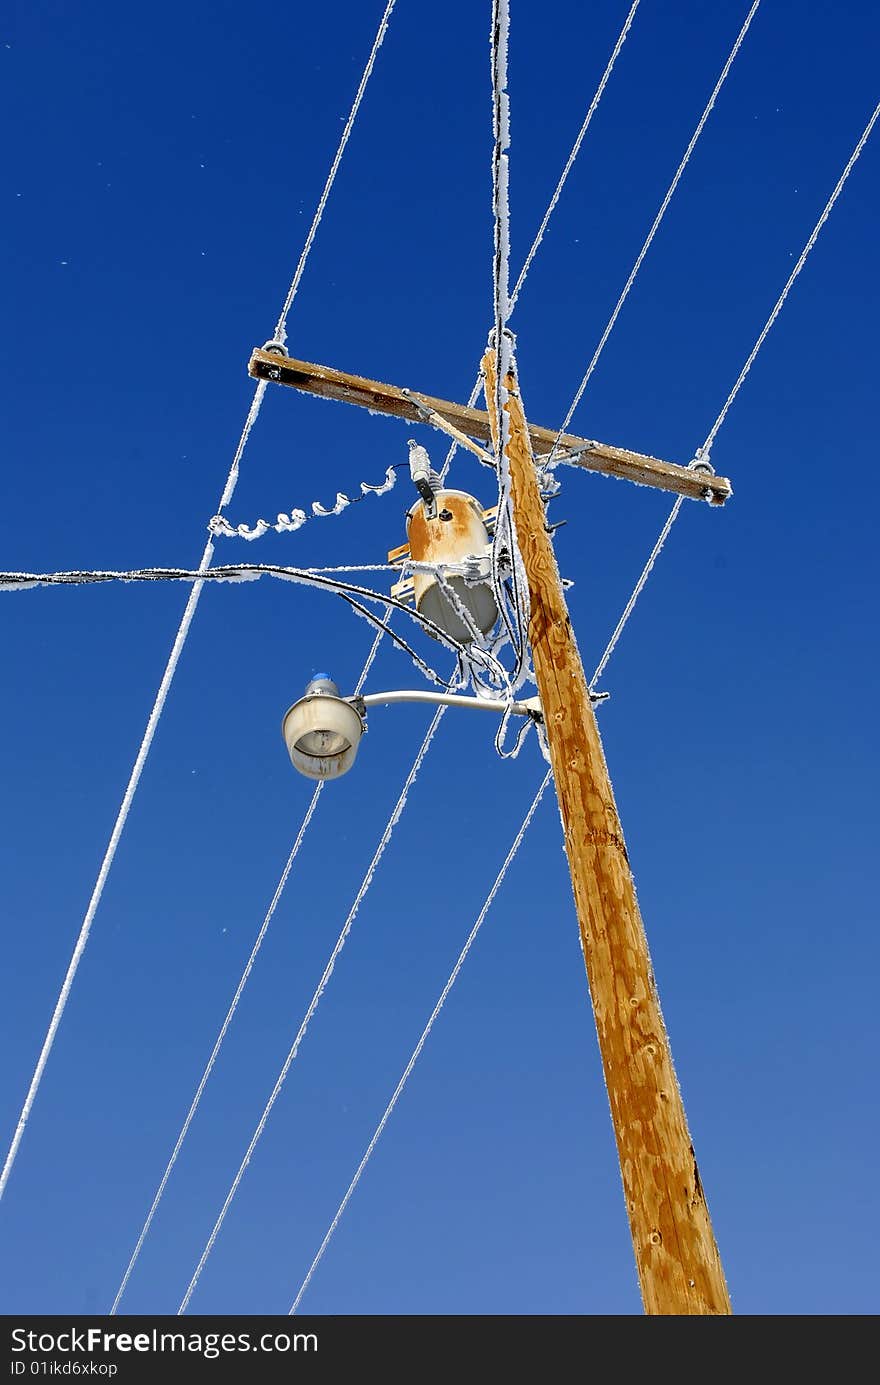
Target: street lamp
(322,730)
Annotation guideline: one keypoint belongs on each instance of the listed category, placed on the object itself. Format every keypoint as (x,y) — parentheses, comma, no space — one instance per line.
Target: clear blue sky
(155,197)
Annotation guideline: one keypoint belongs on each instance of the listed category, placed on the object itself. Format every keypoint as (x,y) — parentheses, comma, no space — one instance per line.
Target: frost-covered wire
(320,578)
(801,261)
(280,334)
(509,581)
(180,638)
(453,977)
(501,735)
(194,1105)
(636,591)
(223,572)
(500,167)
(313,1004)
(238,572)
(381,632)
(478,656)
(703,452)
(575,149)
(554,200)
(398,640)
(510,588)
(279,890)
(288,523)
(670,192)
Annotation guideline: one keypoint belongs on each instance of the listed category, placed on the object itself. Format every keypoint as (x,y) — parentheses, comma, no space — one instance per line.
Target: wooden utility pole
(678,1264)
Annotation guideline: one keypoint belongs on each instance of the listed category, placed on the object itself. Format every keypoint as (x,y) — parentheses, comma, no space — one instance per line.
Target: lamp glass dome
(323,742)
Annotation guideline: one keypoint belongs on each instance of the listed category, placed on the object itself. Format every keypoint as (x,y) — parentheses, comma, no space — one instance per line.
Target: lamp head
(322,731)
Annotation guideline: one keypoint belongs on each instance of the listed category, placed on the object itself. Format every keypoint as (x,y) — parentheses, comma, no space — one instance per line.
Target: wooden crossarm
(389,399)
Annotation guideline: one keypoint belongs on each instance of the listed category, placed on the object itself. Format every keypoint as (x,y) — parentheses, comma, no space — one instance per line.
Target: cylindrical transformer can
(456,532)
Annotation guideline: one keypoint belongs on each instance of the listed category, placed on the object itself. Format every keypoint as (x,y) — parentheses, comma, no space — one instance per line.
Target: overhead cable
(636,591)
(180,638)
(505,549)
(249,572)
(280,334)
(289,523)
(554,200)
(322,578)
(128,797)
(801,261)
(702,454)
(575,149)
(422,1041)
(313,1004)
(194,1105)
(670,192)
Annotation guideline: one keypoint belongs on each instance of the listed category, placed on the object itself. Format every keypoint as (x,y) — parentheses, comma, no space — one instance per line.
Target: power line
(222,572)
(180,639)
(472,655)
(504,540)
(374,650)
(500,167)
(422,1041)
(128,797)
(248,572)
(396,639)
(313,1004)
(235,1000)
(281,325)
(801,261)
(554,200)
(670,192)
(551,207)
(289,523)
(325,579)
(636,591)
(703,452)
(194,1105)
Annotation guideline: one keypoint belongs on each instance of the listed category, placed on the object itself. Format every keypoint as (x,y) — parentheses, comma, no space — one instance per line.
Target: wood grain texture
(677,1259)
(389,399)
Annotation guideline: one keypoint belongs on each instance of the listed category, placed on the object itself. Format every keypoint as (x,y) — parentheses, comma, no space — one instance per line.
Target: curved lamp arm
(531,707)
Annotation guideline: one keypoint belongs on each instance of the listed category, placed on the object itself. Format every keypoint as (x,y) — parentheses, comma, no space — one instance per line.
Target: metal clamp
(700,463)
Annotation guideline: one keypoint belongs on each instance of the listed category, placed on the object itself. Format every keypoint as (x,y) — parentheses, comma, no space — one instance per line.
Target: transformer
(451,530)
